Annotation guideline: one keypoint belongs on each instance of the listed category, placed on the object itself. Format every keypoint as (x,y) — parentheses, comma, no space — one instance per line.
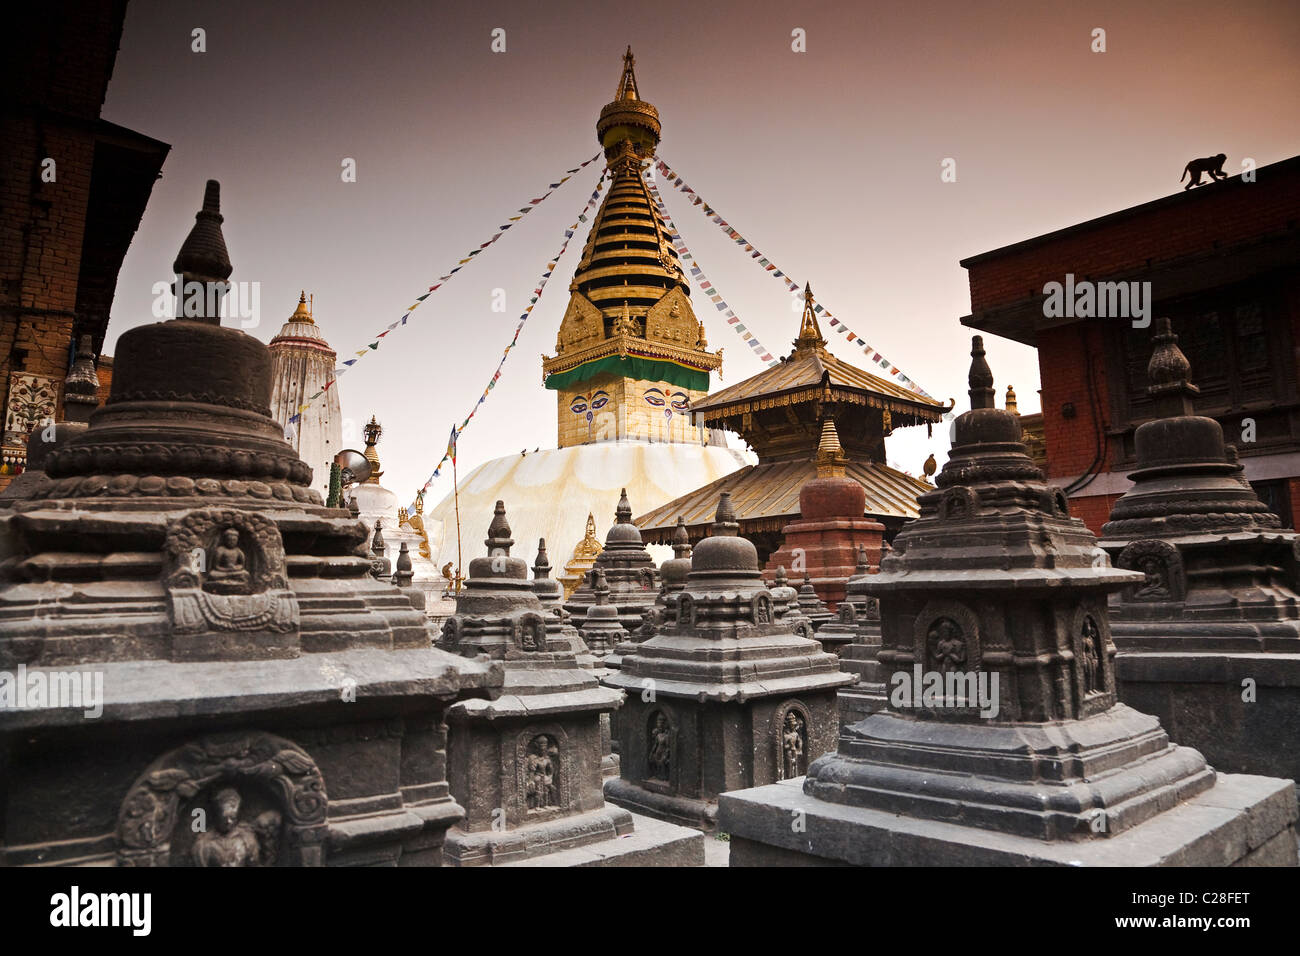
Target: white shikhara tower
(301,363)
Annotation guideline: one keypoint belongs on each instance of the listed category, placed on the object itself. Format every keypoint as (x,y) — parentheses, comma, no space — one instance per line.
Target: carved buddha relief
(848,613)
(762,609)
(227,566)
(233,841)
(789,731)
(1162,566)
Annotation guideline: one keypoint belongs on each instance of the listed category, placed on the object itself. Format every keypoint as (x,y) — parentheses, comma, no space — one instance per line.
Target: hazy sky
(829,161)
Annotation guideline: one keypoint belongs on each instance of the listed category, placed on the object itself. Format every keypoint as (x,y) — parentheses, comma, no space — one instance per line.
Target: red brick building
(1223,262)
(73,188)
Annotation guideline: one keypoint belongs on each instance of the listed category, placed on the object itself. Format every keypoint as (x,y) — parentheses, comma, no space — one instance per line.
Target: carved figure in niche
(660,752)
(234,842)
(649,618)
(762,610)
(542,773)
(792,745)
(1157,578)
(947,645)
(1091,660)
(530,636)
(229,567)
(848,613)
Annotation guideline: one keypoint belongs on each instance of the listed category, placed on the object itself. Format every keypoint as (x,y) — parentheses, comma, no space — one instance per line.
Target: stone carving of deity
(947,645)
(659,757)
(541,776)
(848,613)
(1091,656)
(235,842)
(792,745)
(1156,585)
(228,570)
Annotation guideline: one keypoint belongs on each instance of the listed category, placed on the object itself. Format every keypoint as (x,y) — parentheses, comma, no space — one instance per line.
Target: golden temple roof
(766,498)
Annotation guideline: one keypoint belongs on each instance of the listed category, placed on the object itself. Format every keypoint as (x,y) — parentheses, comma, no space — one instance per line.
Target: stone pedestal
(229,649)
(722,698)
(1003,740)
(527,764)
(1209,639)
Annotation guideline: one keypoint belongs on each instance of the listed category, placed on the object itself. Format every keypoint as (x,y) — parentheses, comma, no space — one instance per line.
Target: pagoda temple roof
(766,498)
(805,375)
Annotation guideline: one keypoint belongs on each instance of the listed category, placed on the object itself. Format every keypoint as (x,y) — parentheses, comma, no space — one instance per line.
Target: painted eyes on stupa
(595,402)
(659,399)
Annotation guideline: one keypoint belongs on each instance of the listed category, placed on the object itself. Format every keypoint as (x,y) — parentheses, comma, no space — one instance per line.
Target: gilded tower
(302,363)
(630,357)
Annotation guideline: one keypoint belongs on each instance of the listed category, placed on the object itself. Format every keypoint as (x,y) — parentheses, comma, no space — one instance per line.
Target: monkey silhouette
(1212,166)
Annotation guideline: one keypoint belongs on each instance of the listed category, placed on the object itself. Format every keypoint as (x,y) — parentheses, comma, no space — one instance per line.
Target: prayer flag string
(770,267)
(707,287)
(501,231)
(532,303)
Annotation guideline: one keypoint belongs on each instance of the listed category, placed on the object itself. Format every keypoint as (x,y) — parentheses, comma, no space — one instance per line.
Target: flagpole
(455,488)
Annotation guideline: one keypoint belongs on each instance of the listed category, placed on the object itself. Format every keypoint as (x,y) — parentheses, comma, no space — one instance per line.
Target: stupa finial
(498,540)
(303,312)
(627,82)
(1011,405)
(1169,373)
(830,456)
(542,565)
(681,539)
(373,431)
(724,521)
(864,562)
(203,259)
(623,513)
(810,333)
(981,376)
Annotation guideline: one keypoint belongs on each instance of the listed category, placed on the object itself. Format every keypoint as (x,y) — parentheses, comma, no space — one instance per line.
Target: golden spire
(302,313)
(830,457)
(627,84)
(373,431)
(1011,401)
(810,333)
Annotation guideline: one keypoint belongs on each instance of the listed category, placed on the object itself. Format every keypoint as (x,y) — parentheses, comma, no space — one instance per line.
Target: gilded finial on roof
(372,431)
(810,333)
(1012,407)
(302,313)
(627,82)
(830,456)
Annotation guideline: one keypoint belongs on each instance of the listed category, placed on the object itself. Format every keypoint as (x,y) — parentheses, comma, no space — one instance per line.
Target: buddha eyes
(681,401)
(655,397)
(597,401)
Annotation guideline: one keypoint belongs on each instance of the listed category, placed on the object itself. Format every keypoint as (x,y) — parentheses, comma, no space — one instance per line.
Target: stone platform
(1241,821)
(650,843)
(1198,698)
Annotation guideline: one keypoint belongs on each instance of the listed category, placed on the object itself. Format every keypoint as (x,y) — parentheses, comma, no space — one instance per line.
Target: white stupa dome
(549,493)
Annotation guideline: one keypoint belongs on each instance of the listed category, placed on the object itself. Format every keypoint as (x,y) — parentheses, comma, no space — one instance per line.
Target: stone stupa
(527,764)
(1021,753)
(724,697)
(1209,640)
(251,666)
(627,569)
